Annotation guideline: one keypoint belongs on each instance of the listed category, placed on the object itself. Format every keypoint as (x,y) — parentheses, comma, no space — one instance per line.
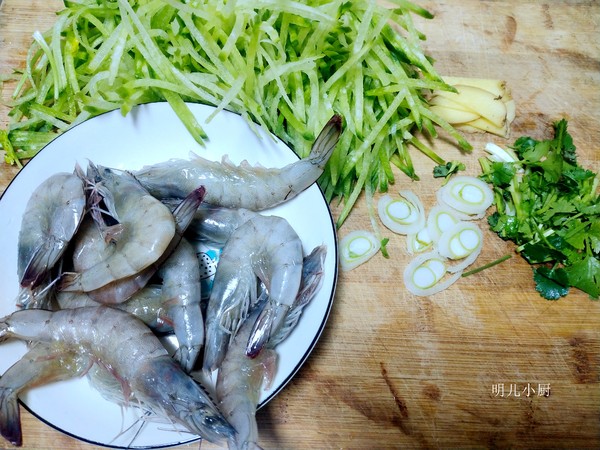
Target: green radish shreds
(287,65)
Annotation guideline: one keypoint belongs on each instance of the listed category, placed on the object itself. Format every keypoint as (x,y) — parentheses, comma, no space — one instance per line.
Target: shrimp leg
(241,377)
(266,247)
(312,277)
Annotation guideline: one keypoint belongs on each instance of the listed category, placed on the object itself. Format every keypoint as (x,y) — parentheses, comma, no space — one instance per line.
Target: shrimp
(91,248)
(216,224)
(242,186)
(52,216)
(181,285)
(238,386)
(312,277)
(173,306)
(127,348)
(148,228)
(148,304)
(266,247)
(240,377)
(42,364)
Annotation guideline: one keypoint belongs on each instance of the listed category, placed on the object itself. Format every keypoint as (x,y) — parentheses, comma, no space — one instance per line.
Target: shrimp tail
(186,209)
(326,141)
(43,363)
(268,322)
(42,260)
(10,417)
(308,170)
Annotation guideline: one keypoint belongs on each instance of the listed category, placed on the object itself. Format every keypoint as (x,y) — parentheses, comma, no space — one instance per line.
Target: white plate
(149,134)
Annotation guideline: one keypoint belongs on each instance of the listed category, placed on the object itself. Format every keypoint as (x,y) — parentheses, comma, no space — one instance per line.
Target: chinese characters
(521,390)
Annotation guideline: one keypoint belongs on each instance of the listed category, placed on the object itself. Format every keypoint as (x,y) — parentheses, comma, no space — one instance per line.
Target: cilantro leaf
(585,275)
(501,174)
(539,253)
(550,208)
(552,284)
(565,141)
(448,169)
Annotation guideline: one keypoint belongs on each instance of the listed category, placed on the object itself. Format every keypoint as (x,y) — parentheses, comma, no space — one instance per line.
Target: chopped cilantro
(446,170)
(550,207)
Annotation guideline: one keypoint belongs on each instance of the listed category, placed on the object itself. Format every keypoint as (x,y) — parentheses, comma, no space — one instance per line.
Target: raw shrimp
(216,224)
(238,386)
(312,277)
(234,290)
(242,186)
(124,345)
(172,306)
(91,248)
(52,216)
(148,304)
(240,377)
(181,286)
(148,228)
(266,247)
(42,364)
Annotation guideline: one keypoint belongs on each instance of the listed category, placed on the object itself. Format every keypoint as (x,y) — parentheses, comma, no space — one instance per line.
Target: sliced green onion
(419,242)
(356,248)
(467,194)
(427,274)
(404,215)
(463,241)
(439,219)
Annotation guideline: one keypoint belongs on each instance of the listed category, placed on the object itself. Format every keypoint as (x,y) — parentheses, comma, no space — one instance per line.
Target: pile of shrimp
(108,263)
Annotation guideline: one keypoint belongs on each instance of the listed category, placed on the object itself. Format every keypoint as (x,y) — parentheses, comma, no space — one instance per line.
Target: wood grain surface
(397,371)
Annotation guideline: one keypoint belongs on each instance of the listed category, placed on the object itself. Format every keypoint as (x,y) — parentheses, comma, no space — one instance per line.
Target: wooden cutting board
(485,364)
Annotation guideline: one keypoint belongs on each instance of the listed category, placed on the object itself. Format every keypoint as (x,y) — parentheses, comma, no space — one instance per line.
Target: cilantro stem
(487,266)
